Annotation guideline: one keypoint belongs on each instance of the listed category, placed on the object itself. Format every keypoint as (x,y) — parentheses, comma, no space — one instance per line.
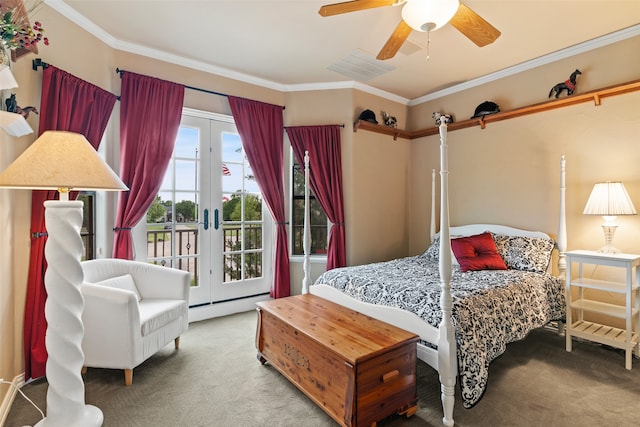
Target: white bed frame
(444,359)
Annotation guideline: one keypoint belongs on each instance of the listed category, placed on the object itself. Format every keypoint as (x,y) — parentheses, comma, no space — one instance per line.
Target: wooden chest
(359,370)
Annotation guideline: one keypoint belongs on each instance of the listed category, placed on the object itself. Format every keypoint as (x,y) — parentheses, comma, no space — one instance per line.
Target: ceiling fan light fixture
(429,15)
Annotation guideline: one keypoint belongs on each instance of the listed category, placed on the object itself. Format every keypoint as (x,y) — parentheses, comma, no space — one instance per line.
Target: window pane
(232,148)
(250,183)
(187,143)
(87,232)
(318,225)
(186,175)
(232,237)
(253,265)
(232,267)
(252,207)
(253,236)
(158,241)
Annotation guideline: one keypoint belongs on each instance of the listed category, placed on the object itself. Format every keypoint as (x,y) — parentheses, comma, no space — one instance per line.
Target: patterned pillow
(525,253)
(433,251)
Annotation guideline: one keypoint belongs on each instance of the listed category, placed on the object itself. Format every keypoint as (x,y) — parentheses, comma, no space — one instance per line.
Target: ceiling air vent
(361,66)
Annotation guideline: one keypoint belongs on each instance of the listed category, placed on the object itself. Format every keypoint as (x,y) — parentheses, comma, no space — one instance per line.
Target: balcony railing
(160,250)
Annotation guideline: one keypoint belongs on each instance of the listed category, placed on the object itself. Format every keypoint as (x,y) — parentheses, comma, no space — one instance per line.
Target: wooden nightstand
(627,338)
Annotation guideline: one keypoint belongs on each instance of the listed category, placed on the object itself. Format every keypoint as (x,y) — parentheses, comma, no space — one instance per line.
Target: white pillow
(121,282)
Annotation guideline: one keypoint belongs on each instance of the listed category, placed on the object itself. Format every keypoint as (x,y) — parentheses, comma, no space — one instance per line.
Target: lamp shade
(429,15)
(7,81)
(60,160)
(14,124)
(609,199)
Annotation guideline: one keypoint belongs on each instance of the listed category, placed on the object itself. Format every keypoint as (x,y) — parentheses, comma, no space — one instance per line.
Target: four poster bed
(464,318)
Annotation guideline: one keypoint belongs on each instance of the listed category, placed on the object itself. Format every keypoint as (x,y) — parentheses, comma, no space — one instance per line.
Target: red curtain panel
(150,114)
(70,104)
(261,129)
(325,179)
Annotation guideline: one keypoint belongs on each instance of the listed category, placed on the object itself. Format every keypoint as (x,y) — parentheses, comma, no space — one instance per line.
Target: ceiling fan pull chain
(428,44)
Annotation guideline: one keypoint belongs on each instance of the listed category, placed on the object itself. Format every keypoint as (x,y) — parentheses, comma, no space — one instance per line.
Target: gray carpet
(216,380)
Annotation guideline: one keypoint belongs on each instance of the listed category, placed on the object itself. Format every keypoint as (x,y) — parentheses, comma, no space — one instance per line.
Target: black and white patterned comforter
(491,308)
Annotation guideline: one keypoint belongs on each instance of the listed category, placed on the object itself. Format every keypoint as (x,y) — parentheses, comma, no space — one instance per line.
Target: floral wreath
(15,30)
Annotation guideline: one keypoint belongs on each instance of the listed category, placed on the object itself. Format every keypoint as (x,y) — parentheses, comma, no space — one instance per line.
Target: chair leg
(128,376)
(177,342)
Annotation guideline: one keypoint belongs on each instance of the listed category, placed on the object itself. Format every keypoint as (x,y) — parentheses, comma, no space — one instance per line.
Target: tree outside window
(319,225)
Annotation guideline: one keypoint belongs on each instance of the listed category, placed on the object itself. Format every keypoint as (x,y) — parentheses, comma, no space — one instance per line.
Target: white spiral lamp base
(63,311)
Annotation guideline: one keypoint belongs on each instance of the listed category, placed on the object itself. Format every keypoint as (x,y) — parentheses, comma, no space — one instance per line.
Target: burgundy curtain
(150,113)
(325,179)
(260,127)
(70,104)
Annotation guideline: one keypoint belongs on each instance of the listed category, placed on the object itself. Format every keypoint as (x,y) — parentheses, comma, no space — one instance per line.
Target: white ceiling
(286,44)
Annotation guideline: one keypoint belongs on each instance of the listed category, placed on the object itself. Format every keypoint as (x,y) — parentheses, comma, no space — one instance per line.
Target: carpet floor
(216,380)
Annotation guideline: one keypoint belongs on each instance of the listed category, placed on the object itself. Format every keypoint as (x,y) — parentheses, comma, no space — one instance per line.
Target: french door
(212,220)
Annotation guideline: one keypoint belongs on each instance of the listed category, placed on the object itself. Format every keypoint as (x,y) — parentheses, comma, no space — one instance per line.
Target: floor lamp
(63,161)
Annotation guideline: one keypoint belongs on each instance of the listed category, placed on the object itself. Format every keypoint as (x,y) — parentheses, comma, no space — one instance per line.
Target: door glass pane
(207,218)
(242,214)
(172,219)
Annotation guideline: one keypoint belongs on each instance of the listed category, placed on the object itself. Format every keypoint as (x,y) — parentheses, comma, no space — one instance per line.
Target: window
(88,230)
(319,225)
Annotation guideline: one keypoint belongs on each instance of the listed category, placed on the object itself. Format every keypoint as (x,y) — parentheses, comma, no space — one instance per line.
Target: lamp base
(608,250)
(609,229)
(63,310)
(90,417)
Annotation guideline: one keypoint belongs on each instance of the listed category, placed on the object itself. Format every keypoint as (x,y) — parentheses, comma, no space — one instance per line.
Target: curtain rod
(40,63)
(121,72)
(286,127)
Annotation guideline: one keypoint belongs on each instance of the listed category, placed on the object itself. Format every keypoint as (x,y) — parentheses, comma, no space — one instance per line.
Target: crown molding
(533,63)
(347,85)
(64,9)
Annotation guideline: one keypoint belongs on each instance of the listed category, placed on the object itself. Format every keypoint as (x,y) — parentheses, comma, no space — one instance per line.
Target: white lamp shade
(7,81)
(14,124)
(609,199)
(429,15)
(61,160)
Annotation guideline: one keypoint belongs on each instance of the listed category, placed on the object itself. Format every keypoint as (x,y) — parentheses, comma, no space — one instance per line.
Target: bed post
(432,228)
(562,225)
(447,355)
(306,244)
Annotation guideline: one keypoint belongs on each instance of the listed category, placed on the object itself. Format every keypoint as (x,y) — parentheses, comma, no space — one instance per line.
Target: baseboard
(15,385)
(226,308)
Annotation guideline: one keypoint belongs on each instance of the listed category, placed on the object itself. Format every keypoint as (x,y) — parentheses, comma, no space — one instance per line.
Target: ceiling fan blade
(394,42)
(474,27)
(352,6)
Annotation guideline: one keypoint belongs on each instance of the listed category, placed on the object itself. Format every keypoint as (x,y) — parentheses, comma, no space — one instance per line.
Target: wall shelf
(595,96)
(387,130)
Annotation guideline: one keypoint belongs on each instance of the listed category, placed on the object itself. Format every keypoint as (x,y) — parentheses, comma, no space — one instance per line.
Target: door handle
(216,219)
(206,219)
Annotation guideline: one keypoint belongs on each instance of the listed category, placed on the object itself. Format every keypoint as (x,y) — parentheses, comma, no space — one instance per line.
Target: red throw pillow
(477,252)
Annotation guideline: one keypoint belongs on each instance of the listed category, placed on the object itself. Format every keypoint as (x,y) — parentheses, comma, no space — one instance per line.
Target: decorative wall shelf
(387,130)
(595,96)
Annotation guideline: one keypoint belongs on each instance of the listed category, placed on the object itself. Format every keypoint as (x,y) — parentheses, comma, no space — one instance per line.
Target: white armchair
(131,310)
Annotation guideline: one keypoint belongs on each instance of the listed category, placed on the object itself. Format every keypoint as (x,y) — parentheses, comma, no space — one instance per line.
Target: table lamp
(63,161)
(609,199)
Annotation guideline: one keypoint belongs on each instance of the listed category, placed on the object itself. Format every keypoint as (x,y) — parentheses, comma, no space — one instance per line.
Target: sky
(184,163)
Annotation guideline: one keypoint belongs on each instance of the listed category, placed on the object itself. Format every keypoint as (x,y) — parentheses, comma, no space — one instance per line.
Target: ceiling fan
(422,15)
